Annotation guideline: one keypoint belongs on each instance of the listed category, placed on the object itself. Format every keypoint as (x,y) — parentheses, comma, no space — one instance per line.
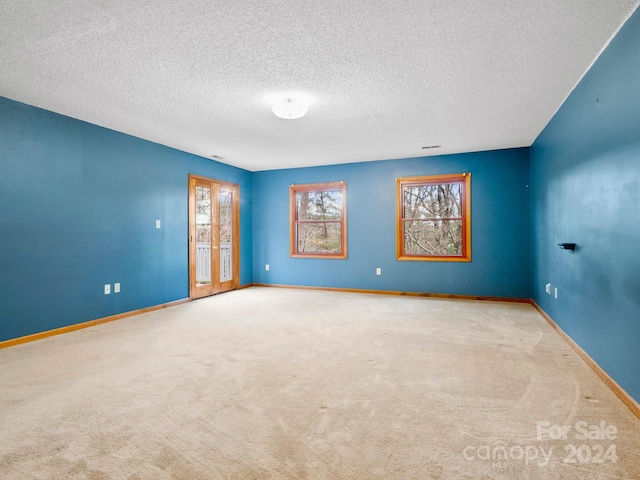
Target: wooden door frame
(216,186)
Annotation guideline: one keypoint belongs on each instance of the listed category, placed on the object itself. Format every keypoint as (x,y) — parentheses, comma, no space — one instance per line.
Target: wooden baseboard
(398,293)
(619,392)
(90,323)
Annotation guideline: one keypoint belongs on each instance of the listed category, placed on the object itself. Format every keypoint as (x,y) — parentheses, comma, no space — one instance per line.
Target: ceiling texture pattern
(383,78)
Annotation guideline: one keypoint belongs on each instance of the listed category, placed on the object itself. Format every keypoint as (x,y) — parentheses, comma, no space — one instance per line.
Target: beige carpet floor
(267,383)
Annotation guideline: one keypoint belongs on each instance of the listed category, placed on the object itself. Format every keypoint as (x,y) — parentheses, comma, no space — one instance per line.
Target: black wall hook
(567,246)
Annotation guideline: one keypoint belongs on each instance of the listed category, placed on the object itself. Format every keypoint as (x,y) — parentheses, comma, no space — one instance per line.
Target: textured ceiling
(383,77)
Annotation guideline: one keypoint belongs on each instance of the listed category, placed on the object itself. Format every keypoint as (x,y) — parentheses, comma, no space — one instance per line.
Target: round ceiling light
(289,108)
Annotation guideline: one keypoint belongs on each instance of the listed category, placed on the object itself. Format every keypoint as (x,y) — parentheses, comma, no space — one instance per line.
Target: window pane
(318,215)
(226,221)
(433,237)
(325,205)
(321,237)
(433,201)
(225,201)
(203,235)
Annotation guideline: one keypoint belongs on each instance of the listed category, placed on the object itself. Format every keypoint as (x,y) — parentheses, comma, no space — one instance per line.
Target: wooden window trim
(465,180)
(293,221)
(219,185)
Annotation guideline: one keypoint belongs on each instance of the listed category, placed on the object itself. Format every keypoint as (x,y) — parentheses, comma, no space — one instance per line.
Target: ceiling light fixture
(289,108)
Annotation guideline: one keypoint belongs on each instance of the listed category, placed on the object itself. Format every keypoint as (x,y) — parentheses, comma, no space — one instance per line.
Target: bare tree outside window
(203,214)
(434,218)
(226,215)
(318,220)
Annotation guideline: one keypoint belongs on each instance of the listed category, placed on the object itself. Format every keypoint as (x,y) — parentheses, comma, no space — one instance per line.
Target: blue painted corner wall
(585,177)
(78,205)
(500,227)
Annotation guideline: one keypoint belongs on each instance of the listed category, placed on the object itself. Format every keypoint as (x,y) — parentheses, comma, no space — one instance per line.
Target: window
(434,218)
(319,220)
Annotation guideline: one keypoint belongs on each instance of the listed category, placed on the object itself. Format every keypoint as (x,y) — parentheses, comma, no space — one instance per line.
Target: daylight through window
(318,220)
(434,218)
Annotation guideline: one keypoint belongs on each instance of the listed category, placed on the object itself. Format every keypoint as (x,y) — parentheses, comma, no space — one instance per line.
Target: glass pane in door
(226,224)
(203,235)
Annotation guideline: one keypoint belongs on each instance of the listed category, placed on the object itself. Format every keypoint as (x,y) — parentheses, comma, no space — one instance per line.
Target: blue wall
(78,205)
(500,228)
(585,174)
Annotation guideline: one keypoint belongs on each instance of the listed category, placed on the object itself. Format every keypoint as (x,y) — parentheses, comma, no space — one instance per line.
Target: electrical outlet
(548,289)
(555,292)
(266,267)
(116,288)
(378,271)
(157,223)
(107,289)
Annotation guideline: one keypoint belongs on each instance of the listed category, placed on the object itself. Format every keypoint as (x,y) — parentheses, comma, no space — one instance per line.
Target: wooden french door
(214,221)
